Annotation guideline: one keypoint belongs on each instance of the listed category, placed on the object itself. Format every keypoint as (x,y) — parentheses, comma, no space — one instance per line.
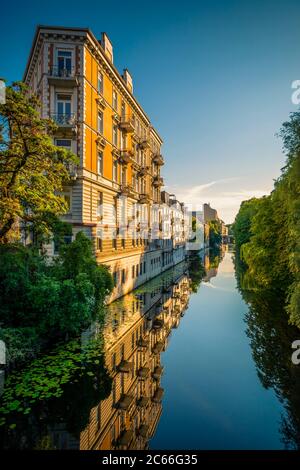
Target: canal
(191,360)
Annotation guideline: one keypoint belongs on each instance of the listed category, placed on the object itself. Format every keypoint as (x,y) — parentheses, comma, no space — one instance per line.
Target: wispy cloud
(225,195)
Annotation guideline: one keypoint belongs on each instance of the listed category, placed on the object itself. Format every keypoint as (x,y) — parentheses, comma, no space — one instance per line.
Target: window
(63,107)
(100,205)
(115,135)
(100,122)
(123,282)
(100,83)
(100,163)
(137,270)
(66,143)
(99,243)
(141,268)
(115,100)
(123,109)
(124,175)
(114,243)
(64,63)
(123,141)
(115,170)
(144,267)
(133,272)
(123,242)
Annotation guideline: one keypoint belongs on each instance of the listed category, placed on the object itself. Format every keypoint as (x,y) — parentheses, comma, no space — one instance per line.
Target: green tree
(242,224)
(32,168)
(267,230)
(51,301)
(215,233)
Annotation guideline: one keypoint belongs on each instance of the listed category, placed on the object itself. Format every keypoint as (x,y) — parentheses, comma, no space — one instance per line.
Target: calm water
(178,364)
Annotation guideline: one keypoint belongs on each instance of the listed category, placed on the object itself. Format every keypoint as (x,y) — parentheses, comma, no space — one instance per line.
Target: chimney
(107,46)
(128,80)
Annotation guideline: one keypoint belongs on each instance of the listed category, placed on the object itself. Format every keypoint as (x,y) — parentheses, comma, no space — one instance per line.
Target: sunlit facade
(115,192)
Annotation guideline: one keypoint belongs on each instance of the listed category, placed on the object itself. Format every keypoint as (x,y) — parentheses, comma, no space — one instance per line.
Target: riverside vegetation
(267,230)
(42,301)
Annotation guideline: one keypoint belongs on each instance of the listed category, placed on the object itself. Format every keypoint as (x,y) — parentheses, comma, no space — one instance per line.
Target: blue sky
(214,76)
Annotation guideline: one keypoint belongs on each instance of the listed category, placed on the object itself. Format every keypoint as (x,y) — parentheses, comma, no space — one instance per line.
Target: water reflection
(137,331)
(270,339)
(110,396)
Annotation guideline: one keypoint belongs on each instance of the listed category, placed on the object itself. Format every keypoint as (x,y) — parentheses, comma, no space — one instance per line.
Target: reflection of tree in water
(270,339)
(196,271)
(69,397)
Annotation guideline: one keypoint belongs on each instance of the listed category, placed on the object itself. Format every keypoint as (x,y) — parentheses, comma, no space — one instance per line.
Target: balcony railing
(64,120)
(126,123)
(143,170)
(61,76)
(56,71)
(158,159)
(158,181)
(125,189)
(144,143)
(158,394)
(144,199)
(126,156)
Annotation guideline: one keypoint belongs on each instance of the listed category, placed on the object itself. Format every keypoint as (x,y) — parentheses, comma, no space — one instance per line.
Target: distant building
(209,213)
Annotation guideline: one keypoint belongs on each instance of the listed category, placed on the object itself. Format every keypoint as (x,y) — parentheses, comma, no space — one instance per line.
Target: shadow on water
(271,338)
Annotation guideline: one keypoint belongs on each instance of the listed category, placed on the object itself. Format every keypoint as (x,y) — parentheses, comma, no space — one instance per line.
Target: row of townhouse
(115,192)
(137,331)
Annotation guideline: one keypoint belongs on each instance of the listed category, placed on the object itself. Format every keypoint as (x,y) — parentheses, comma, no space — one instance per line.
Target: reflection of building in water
(211,261)
(137,331)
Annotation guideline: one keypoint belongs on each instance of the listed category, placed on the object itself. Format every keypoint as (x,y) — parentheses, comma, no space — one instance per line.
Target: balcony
(143,402)
(176,295)
(144,198)
(125,367)
(143,343)
(125,402)
(125,438)
(72,170)
(125,156)
(144,143)
(157,397)
(157,373)
(158,181)
(143,372)
(158,347)
(143,431)
(65,122)
(125,190)
(143,170)
(158,324)
(64,77)
(126,123)
(158,159)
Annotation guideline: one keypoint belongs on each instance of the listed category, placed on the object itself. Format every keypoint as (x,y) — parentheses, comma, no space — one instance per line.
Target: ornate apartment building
(115,192)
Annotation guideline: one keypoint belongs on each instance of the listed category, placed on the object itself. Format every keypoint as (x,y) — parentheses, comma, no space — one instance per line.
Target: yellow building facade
(118,182)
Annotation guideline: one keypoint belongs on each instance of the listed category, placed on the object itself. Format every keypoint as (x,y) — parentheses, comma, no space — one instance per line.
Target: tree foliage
(54,299)
(32,168)
(267,230)
(215,233)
